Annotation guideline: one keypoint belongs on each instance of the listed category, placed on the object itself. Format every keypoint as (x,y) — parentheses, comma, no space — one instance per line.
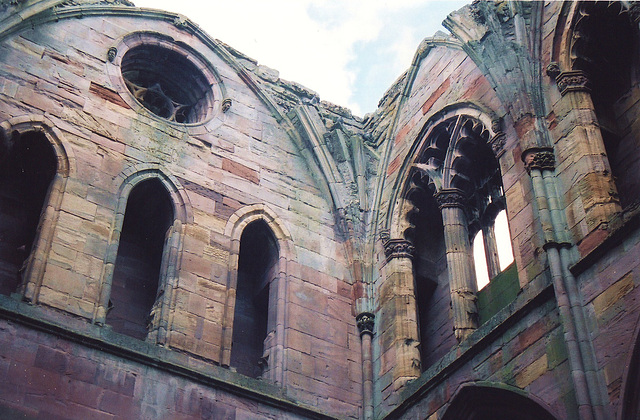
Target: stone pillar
(491,249)
(399,296)
(583,148)
(460,266)
(365,322)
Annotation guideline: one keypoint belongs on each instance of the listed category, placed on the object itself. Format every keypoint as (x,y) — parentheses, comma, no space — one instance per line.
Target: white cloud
(315,42)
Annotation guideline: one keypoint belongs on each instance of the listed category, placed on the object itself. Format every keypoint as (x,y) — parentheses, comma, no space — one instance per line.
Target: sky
(348,51)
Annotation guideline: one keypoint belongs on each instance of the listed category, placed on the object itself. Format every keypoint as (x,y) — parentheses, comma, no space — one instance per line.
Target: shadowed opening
(257,267)
(134,289)
(27,168)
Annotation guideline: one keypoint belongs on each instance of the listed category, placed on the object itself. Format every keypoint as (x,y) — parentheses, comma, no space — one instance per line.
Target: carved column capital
(398,248)
(497,143)
(572,81)
(541,159)
(365,322)
(451,197)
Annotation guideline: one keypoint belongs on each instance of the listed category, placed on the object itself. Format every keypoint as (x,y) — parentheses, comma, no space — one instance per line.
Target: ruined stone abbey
(185,235)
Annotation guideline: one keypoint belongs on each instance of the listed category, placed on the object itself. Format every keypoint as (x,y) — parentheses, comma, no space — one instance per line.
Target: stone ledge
(104,339)
(621,226)
(529,298)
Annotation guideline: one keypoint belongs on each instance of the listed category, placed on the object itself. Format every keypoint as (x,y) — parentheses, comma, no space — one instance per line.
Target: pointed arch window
(254,312)
(604,58)
(458,173)
(27,168)
(136,286)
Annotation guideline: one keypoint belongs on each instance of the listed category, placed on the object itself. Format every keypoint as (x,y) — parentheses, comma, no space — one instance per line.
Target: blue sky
(348,51)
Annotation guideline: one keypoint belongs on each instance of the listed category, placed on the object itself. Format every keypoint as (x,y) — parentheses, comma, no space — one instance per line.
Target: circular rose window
(167,84)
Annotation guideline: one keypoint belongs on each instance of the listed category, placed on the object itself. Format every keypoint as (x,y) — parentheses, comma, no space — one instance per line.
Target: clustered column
(596,186)
(460,266)
(399,253)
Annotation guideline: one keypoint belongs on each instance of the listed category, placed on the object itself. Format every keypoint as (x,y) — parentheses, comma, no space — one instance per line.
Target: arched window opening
(461,174)
(252,322)
(631,399)
(27,168)
(605,45)
(134,291)
(498,241)
(431,283)
(487,403)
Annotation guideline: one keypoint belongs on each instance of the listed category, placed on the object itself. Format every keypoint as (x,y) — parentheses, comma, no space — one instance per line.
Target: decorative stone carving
(553,69)
(496,124)
(226,104)
(365,322)
(497,143)
(572,81)
(398,248)
(543,160)
(181,22)
(451,197)
(111,54)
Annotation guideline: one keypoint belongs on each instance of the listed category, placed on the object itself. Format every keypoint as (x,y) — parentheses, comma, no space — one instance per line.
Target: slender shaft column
(540,165)
(491,250)
(462,277)
(365,322)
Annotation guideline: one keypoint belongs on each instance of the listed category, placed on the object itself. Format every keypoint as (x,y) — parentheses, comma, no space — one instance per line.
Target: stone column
(582,147)
(460,266)
(365,322)
(491,250)
(401,316)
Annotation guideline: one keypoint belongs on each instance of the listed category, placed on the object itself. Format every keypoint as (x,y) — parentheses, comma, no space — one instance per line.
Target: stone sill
(529,298)
(104,339)
(620,227)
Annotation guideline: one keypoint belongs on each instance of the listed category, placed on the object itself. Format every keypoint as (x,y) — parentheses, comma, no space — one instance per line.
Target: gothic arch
(491,125)
(171,254)
(234,229)
(491,401)
(630,398)
(66,167)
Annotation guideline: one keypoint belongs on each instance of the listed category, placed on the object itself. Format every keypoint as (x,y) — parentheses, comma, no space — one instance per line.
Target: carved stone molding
(365,322)
(451,197)
(398,248)
(553,70)
(112,53)
(497,143)
(543,160)
(226,104)
(572,81)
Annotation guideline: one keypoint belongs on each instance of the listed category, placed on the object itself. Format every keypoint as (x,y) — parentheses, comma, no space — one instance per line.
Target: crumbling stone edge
(104,339)
(528,299)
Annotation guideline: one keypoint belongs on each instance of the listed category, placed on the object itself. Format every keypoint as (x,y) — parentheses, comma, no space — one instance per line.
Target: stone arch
(171,254)
(234,229)
(66,166)
(630,398)
(494,401)
(396,222)
(596,50)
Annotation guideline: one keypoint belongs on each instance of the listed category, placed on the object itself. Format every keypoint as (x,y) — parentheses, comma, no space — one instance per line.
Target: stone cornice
(451,197)
(366,323)
(541,159)
(572,81)
(398,248)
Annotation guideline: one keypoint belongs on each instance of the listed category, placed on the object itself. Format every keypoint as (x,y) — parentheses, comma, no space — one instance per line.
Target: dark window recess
(134,289)
(167,84)
(27,167)
(257,267)
(606,50)
(484,403)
